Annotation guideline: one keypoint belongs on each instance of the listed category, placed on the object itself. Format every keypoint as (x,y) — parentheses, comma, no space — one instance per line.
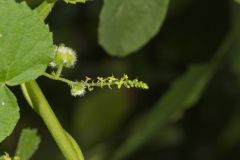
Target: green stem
(53,77)
(39,103)
(59,70)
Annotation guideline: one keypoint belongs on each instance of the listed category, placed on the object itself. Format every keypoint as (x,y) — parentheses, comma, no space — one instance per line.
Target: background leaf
(26,45)
(99,115)
(9,112)
(127,25)
(184,93)
(230,136)
(28,144)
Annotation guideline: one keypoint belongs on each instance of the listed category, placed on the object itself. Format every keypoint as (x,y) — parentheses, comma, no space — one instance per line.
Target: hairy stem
(39,103)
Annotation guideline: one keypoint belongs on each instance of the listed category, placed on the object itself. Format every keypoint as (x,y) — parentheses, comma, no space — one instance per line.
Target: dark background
(101,119)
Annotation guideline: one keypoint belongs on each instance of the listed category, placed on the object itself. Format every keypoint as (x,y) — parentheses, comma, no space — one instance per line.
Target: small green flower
(111,81)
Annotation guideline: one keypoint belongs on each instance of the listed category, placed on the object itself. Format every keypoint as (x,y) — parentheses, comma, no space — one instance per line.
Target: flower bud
(64,56)
(78,90)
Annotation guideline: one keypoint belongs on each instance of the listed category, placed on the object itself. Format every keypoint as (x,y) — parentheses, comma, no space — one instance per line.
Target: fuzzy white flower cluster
(64,56)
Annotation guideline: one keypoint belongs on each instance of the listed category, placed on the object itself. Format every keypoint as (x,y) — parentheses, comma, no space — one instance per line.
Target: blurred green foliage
(115,108)
(188,113)
(134,23)
(28,144)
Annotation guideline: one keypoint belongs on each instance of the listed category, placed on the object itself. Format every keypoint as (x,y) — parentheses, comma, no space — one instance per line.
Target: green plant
(27,49)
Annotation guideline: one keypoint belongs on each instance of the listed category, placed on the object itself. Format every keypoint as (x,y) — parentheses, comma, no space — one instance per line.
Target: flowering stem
(58,78)
(39,103)
(101,82)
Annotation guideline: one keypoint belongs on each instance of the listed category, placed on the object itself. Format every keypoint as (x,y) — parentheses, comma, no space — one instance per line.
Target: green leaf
(9,112)
(28,144)
(230,135)
(26,45)
(45,8)
(184,93)
(127,25)
(238,1)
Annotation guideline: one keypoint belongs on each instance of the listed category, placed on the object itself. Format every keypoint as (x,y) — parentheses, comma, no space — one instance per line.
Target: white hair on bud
(78,90)
(79,93)
(64,56)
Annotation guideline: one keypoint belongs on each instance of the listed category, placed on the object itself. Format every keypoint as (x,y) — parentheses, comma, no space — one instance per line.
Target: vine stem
(39,103)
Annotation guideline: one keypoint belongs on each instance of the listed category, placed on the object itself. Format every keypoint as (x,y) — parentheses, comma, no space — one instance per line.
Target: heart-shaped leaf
(26,45)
